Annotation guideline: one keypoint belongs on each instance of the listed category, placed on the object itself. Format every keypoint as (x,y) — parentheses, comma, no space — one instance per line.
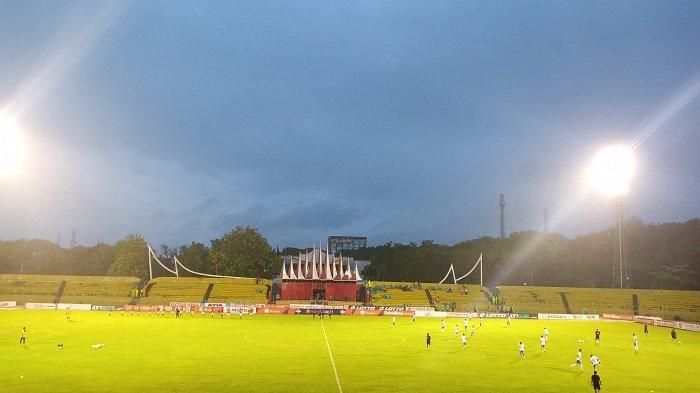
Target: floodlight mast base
(620,266)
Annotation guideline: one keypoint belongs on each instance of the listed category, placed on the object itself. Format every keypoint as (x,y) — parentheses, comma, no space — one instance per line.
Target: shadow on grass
(566,371)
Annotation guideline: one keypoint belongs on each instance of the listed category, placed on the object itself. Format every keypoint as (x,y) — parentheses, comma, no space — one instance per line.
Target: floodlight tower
(502,205)
(621,272)
(611,172)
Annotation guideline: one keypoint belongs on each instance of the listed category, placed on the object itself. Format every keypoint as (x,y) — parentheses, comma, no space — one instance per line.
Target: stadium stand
(29,288)
(99,290)
(600,300)
(680,305)
(683,305)
(236,291)
(533,299)
(77,289)
(458,297)
(163,290)
(388,293)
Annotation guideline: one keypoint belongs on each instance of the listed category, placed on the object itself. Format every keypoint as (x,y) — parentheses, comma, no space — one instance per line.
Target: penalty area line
(340,388)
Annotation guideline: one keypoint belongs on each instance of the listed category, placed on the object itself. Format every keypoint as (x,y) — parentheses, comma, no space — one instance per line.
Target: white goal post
(152,257)
(479,262)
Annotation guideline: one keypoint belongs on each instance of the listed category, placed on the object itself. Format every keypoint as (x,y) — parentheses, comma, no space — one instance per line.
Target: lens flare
(612,170)
(11,146)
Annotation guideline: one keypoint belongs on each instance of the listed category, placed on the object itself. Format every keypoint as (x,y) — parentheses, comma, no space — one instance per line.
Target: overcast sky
(397,120)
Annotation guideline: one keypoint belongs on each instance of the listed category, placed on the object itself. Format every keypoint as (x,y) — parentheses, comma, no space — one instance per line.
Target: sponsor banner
(462,314)
(618,317)
(371,311)
(656,321)
(646,319)
(567,317)
(185,306)
(129,307)
(555,316)
(399,313)
(212,307)
(378,308)
(71,306)
(523,315)
(375,311)
(239,308)
(40,306)
(317,307)
(661,322)
(106,308)
(8,304)
(273,309)
(586,317)
(420,308)
(316,311)
(447,314)
(432,314)
(381,310)
(689,326)
(496,315)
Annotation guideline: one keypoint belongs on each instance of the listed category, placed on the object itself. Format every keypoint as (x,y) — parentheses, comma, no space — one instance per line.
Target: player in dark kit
(427,340)
(595,381)
(674,335)
(23,336)
(597,336)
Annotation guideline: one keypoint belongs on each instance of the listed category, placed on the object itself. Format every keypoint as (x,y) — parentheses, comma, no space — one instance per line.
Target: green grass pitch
(289,353)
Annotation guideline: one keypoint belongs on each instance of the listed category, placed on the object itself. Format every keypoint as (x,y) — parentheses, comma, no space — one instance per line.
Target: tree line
(241,252)
(659,255)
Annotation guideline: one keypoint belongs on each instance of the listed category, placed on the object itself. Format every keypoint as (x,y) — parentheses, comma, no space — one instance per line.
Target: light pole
(611,172)
(620,238)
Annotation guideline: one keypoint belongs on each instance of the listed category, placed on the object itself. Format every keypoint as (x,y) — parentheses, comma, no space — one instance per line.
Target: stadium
(321,323)
(352,197)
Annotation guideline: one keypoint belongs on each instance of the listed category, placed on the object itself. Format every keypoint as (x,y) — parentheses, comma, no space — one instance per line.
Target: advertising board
(618,317)
(71,306)
(578,317)
(40,306)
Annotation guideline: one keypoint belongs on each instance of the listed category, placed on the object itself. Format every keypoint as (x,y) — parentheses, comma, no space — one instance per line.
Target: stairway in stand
(208,293)
(59,293)
(566,302)
(430,297)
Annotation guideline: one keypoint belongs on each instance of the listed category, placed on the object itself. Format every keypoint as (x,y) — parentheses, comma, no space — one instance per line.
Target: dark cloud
(400,121)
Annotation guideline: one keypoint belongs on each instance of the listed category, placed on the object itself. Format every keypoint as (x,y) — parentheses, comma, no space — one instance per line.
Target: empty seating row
(225,292)
(163,290)
(77,289)
(532,299)
(458,297)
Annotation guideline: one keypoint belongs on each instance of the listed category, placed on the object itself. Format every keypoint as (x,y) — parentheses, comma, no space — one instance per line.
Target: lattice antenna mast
(620,264)
(502,205)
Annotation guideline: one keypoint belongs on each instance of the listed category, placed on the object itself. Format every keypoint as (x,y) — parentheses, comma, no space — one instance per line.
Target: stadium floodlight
(611,170)
(11,145)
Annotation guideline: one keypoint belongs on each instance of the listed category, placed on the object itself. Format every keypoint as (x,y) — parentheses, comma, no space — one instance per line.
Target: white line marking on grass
(340,388)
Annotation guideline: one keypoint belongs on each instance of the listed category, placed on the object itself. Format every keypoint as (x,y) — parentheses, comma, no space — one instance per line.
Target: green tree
(89,261)
(130,257)
(195,256)
(243,252)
